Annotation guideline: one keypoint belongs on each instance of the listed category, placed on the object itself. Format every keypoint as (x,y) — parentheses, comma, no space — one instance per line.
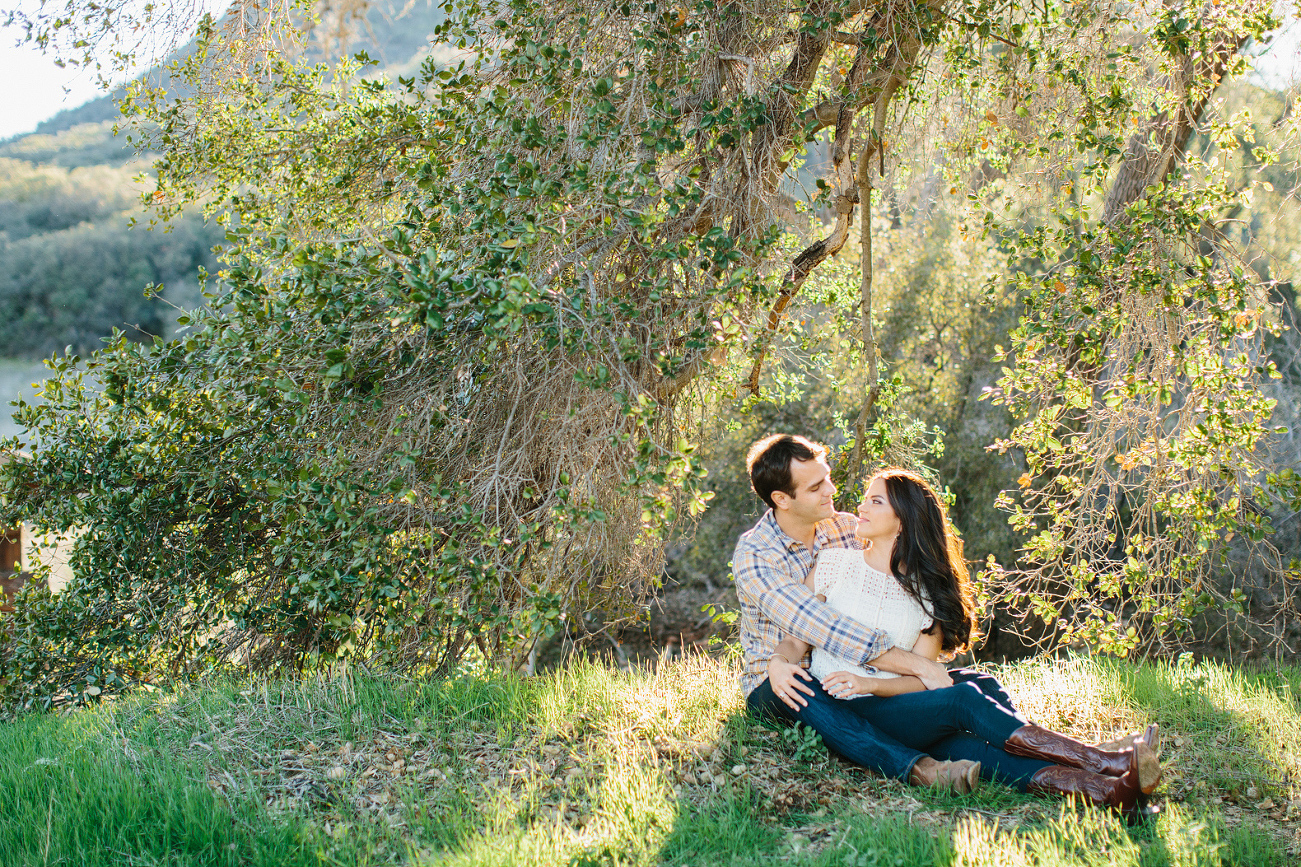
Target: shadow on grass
(1226,730)
(585,767)
(227,775)
(65,799)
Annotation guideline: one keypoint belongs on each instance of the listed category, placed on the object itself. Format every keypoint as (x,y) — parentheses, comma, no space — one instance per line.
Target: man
(790,474)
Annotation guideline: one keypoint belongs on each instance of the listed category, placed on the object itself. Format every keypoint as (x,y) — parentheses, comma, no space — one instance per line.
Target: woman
(911,581)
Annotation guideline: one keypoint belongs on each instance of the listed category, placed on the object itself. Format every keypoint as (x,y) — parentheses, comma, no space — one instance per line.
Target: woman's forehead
(875,488)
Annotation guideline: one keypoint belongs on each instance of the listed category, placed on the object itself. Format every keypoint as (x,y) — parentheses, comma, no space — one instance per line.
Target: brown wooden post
(11,558)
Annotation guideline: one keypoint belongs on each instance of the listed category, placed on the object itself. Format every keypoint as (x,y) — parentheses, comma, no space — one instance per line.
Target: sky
(35,88)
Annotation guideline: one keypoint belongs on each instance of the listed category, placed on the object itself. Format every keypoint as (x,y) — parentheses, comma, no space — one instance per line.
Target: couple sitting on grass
(879,598)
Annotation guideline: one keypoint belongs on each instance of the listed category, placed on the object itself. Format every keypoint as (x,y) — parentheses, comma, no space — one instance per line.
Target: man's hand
(932,674)
(784,678)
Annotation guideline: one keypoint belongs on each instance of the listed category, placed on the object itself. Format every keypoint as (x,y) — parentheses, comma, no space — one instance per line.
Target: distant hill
(390,32)
(71,267)
(96,111)
(85,144)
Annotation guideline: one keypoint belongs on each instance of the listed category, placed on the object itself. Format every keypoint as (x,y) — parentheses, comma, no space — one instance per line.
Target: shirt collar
(778,535)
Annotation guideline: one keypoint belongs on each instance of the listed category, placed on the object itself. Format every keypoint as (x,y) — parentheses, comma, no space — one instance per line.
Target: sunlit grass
(592,765)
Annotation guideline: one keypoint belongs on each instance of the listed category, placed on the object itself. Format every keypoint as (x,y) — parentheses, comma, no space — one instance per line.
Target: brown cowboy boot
(1035,742)
(1119,793)
(961,776)
(1151,736)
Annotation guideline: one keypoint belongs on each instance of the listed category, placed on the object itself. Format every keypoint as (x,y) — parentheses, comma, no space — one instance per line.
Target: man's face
(813,500)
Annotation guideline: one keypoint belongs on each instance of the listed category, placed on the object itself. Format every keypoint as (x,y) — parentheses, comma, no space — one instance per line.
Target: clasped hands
(789,681)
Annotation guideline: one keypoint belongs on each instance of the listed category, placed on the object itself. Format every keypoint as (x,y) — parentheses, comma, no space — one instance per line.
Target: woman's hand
(784,678)
(842,684)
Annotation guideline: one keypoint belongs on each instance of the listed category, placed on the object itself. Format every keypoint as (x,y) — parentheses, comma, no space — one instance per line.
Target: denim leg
(995,765)
(842,729)
(986,683)
(919,719)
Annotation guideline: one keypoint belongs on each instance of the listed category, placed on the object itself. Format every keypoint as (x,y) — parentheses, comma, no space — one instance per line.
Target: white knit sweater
(871,597)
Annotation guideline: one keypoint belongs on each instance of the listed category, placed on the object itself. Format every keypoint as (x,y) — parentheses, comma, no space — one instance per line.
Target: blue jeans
(847,733)
(995,765)
(970,720)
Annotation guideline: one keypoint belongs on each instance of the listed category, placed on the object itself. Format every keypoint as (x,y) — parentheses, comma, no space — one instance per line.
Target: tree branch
(874,146)
(870,83)
(1154,151)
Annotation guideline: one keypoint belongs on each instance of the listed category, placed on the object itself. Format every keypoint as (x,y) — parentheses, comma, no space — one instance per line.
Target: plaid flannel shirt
(769,568)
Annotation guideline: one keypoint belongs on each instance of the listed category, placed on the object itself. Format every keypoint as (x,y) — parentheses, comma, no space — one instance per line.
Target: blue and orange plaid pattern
(769,568)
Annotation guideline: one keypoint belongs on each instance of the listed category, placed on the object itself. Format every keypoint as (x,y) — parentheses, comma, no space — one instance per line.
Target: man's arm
(931,673)
(795,611)
(812,619)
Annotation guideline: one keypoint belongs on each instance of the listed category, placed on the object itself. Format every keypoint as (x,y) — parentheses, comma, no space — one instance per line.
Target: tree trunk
(1154,152)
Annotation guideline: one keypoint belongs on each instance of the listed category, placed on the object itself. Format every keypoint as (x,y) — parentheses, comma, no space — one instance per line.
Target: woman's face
(876,519)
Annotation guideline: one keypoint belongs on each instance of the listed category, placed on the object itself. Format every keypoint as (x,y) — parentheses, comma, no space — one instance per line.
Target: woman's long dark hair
(927,559)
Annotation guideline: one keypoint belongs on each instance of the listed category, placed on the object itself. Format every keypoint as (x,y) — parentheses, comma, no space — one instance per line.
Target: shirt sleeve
(794,610)
(842,531)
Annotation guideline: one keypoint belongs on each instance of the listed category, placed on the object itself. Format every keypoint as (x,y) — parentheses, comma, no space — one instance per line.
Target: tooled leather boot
(1119,793)
(1036,742)
(1151,736)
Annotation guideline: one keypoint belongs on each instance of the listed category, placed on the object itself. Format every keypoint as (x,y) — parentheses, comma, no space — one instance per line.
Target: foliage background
(276,486)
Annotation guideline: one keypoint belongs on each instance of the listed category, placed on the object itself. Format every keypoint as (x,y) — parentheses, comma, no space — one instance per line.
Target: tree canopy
(449,392)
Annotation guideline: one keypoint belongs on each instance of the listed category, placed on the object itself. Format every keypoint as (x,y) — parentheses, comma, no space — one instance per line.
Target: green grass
(593,766)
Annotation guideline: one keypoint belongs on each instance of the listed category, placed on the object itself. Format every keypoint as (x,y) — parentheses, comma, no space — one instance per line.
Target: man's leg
(843,730)
(995,765)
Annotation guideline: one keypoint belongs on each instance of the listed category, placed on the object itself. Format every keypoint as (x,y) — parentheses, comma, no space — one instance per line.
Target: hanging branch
(896,48)
(874,147)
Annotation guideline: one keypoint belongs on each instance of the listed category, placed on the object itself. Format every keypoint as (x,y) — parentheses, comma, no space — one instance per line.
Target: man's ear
(781,500)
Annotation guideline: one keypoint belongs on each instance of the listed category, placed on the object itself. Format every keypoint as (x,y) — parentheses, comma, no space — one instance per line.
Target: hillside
(76,248)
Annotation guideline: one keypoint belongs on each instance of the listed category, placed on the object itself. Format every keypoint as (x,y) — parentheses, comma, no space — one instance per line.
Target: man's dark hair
(769,463)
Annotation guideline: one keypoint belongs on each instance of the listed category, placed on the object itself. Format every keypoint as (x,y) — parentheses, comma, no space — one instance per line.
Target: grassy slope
(595,766)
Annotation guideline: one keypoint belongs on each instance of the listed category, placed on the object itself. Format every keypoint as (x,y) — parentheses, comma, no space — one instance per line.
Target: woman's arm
(842,684)
(811,582)
(928,643)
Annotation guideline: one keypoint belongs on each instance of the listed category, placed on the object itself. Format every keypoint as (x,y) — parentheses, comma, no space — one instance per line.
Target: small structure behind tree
(12,578)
